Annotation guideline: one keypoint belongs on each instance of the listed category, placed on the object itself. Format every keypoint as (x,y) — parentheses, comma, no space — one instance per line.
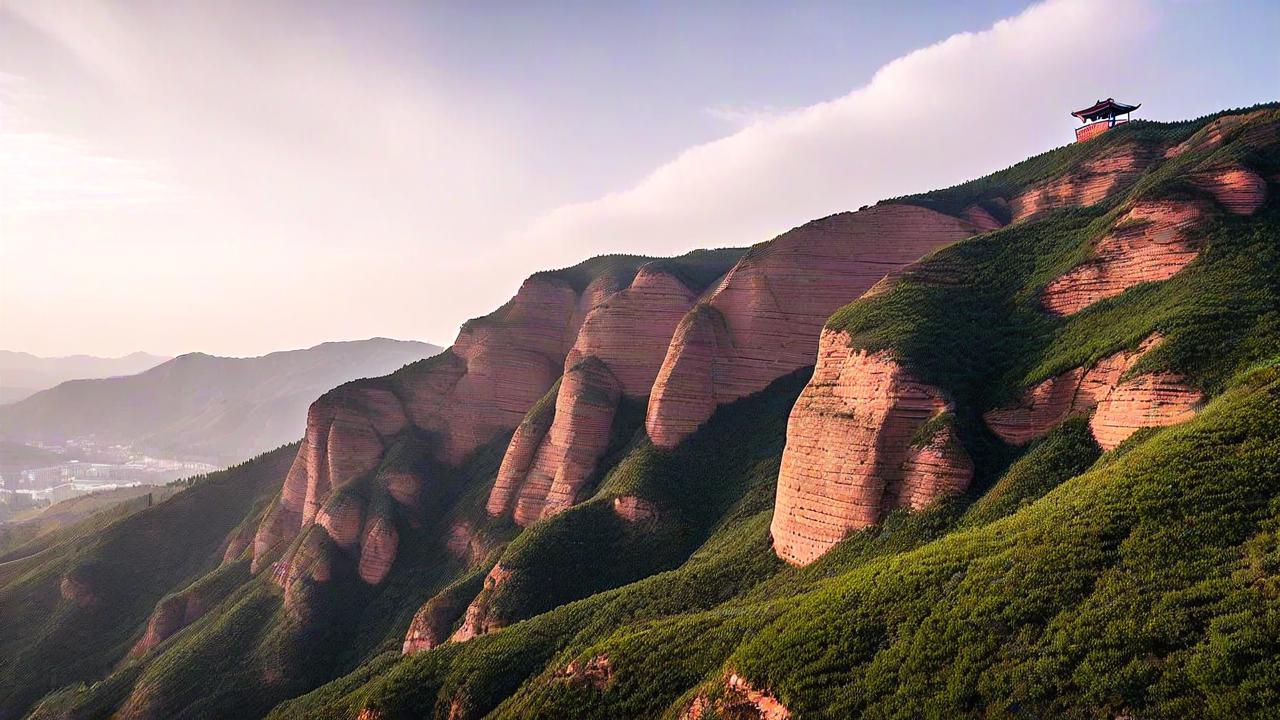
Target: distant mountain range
(199,406)
(23,374)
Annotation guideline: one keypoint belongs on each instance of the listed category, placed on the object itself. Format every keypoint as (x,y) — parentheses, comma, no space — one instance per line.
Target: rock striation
(764,318)
(1092,182)
(1238,189)
(479,619)
(617,352)
(498,367)
(1073,393)
(1148,244)
(1153,400)
(863,438)
(578,437)
(1122,407)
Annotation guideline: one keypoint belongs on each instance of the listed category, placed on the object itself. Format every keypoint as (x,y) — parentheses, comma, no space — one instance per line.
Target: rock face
(497,368)
(1122,408)
(764,318)
(618,351)
(597,672)
(634,509)
(854,450)
(170,615)
(1070,394)
(1092,182)
(1238,189)
(1153,400)
(479,619)
(629,332)
(1150,243)
(740,701)
(543,472)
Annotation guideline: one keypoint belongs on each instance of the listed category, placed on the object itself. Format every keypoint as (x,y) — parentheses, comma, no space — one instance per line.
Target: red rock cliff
(764,318)
(1122,408)
(853,450)
(1148,244)
(498,367)
(617,352)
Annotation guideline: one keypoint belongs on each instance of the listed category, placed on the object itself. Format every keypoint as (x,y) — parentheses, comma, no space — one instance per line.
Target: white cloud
(970,104)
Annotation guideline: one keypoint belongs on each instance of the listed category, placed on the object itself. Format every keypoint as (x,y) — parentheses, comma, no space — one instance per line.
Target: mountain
(199,406)
(25,374)
(1007,449)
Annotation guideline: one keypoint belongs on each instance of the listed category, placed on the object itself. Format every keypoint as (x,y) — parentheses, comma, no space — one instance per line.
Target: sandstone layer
(478,619)
(764,318)
(1150,243)
(567,452)
(618,351)
(1092,182)
(1122,407)
(854,450)
(1238,189)
(1073,393)
(1153,400)
(498,367)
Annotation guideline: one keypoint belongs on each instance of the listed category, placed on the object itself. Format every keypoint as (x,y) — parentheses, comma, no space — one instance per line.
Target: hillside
(1009,449)
(199,406)
(23,374)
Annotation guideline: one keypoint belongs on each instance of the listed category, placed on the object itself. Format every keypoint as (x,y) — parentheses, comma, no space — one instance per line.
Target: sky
(240,177)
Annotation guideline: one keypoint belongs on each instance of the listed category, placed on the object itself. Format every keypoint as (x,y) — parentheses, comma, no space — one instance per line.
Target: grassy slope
(128,563)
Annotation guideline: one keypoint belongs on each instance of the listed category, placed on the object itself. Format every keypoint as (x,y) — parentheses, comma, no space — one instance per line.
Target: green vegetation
(118,568)
(1142,582)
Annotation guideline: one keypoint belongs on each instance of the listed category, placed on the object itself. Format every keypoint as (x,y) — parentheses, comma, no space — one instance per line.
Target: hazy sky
(241,177)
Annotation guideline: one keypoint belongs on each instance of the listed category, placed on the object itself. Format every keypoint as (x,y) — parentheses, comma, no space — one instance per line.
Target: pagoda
(1102,116)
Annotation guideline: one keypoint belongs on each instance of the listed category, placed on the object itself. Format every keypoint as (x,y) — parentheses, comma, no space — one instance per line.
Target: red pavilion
(1102,116)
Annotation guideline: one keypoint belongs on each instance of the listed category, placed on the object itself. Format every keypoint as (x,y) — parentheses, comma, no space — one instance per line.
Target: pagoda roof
(1104,108)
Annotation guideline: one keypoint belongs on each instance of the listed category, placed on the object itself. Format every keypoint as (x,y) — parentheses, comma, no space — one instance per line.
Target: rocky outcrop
(935,466)
(1260,127)
(569,450)
(462,543)
(629,332)
(1153,400)
(1238,189)
(854,450)
(432,623)
(478,619)
(596,671)
(981,219)
(618,352)
(739,700)
(764,318)
(1150,243)
(1092,182)
(1122,407)
(634,509)
(170,615)
(1073,393)
(378,550)
(499,366)
(78,590)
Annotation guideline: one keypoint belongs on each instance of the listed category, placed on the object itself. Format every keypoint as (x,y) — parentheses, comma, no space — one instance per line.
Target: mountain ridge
(851,528)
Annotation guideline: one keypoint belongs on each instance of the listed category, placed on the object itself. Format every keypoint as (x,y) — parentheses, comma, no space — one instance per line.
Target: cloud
(970,104)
